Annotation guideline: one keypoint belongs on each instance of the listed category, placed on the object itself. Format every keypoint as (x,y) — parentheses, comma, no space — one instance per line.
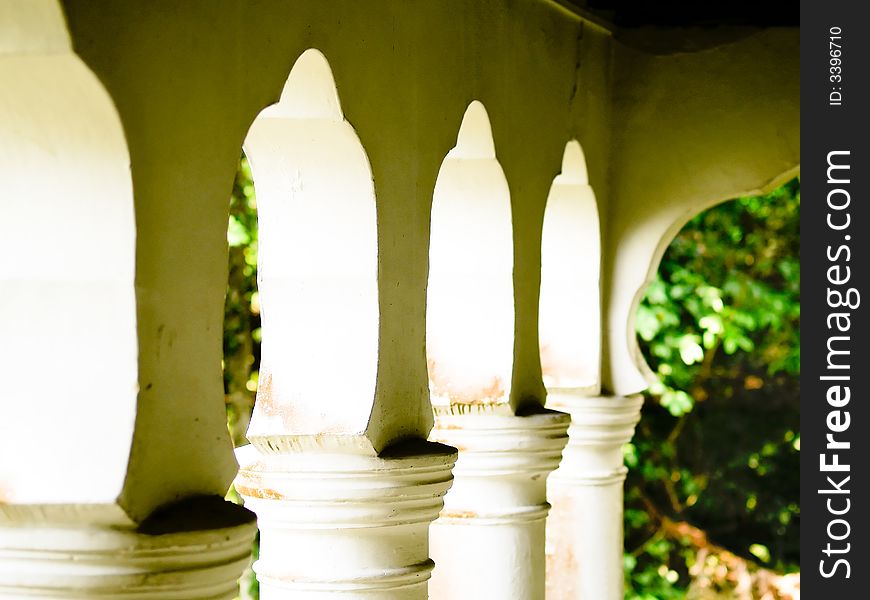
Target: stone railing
(459,204)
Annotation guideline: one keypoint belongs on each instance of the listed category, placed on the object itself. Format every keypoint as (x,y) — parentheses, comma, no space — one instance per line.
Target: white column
(489,539)
(341,525)
(584,532)
(99,562)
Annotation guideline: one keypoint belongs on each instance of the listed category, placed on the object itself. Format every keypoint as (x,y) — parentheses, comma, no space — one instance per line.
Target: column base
(489,540)
(336,525)
(584,531)
(155,562)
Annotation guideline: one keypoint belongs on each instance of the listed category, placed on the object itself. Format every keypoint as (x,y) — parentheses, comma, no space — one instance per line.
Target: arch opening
(67,273)
(316,262)
(470,303)
(570,300)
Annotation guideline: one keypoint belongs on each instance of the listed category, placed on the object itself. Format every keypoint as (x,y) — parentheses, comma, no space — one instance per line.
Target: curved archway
(317,271)
(570,305)
(470,304)
(659,235)
(67,271)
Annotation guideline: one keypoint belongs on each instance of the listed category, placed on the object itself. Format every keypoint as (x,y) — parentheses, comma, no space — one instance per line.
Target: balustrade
(119,133)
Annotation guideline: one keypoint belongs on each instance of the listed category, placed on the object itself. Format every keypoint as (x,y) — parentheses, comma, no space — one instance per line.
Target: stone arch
(318,263)
(658,236)
(67,271)
(470,303)
(570,303)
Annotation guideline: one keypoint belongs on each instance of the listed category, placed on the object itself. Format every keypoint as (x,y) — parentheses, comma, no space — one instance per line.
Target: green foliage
(717,450)
(242,332)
